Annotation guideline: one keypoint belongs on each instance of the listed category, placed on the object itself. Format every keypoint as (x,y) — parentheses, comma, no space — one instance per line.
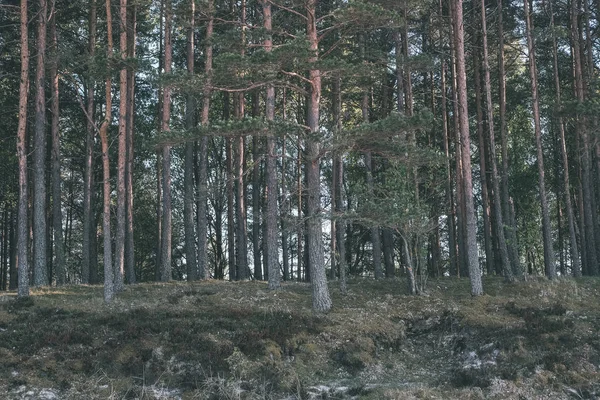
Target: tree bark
(191,257)
(575,263)
(320,292)
(463,119)
(22,245)
(272,251)
(202,223)
(587,228)
(59,247)
(40,261)
(165,263)
(109,287)
(499,223)
(549,263)
(88,213)
(129,214)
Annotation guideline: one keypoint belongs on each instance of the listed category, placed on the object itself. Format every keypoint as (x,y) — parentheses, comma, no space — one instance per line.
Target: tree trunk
(202,223)
(122,153)
(549,264)
(40,261)
(587,228)
(338,199)
(59,249)
(191,257)
(575,263)
(463,119)
(129,240)
(316,262)
(272,252)
(487,230)
(22,245)
(499,223)
(109,287)
(88,213)
(256,196)
(165,263)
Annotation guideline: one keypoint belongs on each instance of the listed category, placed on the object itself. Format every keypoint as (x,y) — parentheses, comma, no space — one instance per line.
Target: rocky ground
(221,340)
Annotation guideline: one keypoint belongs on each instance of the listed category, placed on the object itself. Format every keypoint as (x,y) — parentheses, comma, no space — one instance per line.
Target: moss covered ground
(221,340)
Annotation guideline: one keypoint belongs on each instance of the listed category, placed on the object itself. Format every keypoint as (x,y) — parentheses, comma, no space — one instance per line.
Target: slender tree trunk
(40,270)
(549,263)
(510,230)
(109,287)
(272,252)
(22,245)
(316,262)
(575,263)
(338,200)
(165,262)
(463,118)
(487,229)
(499,223)
(202,223)
(256,196)
(230,203)
(587,228)
(59,249)
(122,153)
(129,240)
(191,257)
(88,213)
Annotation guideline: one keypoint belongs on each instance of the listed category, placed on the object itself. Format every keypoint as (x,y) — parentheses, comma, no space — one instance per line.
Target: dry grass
(220,340)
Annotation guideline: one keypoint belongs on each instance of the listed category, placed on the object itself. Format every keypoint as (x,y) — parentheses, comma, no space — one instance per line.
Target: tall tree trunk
(122,153)
(59,248)
(191,257)
(499,223)
(463,119)
(487,229)
(316,262)
(338,200)
(109,287)
(129,242)
(587,228)
(165,263)
(230,197)
(22,245)
(272,252)
(575,263)
(256,195)
(549,264)
(40,261)
(88,212)
(510,229)
(202,223)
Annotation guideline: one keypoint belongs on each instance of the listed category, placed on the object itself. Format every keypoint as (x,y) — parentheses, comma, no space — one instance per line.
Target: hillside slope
(221,340)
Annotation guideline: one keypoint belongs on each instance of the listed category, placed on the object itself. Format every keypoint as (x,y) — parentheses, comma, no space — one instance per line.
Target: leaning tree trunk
(40,270)
(465,143)
(320,292)
(549,264)
(23,265)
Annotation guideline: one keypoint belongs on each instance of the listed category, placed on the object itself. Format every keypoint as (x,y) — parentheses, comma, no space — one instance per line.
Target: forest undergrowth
(219,340)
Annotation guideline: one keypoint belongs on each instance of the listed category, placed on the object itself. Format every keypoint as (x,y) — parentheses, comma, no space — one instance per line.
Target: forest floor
(221,340)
